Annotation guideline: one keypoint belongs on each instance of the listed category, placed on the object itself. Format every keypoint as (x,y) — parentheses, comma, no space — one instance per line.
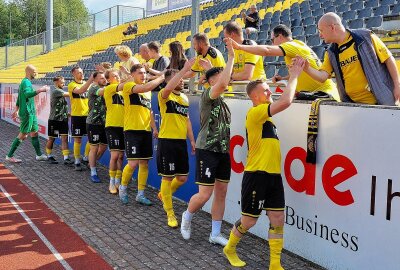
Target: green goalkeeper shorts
(28,124)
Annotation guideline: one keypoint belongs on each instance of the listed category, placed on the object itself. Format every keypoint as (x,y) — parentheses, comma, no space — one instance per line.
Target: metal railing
(22,50)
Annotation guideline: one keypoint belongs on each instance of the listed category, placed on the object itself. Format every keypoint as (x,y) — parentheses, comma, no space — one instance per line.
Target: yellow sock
(126,175)
(118,175)
(65,152)
(167,196)
(87,149)
(48,151)
(112,174)
(143,173)
(175,184)
(77,150)
(230,251)
(275,250)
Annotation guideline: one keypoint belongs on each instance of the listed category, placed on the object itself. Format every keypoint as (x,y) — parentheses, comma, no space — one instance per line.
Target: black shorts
(57,128)
(78,126)
(172,157)
(115,138)
(96,134)
(262,191)
(138,144)
(211,166)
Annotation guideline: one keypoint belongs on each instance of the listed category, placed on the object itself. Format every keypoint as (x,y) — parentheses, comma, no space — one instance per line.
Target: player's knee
(204,195)
(243,226)
(182,178)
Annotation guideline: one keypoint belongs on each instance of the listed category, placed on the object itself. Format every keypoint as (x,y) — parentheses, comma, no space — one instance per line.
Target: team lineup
(113,109)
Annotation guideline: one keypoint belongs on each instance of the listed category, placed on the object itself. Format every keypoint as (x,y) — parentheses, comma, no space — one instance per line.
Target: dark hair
(75,68)
(170,73)
(155,46)
(253,85)
(283,30)
(178,57)
(57,78)
(96,73)
(233,27)
(213,71)
(136,67)
(202,37)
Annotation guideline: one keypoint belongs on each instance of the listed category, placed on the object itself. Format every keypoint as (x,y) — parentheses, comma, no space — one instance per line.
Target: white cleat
(185,227)
(218,240)
(43,157)
(13,159)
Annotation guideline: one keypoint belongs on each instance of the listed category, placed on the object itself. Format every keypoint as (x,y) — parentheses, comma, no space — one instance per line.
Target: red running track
(49,244)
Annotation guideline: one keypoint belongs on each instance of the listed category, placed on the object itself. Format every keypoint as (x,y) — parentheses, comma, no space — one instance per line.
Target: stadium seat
(388,2)
(396,9)
(318,12)
(382,10)
(357,23)
(357,6)
(271,71)
(371,3)
(297,31)
(283,71)
(349,15)
(311,30)
(343,8)
(313,40)
(373,22)
(365,13)
(296,22)
(330,9)
(319,51)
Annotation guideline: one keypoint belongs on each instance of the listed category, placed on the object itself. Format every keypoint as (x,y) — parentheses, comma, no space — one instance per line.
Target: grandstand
(301,15)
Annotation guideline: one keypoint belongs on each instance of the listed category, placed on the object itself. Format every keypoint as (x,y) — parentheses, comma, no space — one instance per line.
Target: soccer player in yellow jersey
(137,130)
(172,156)
(285,45)
(114,127)
(247,66)
(207,56)
(79,110)
(365,70)
(262,187)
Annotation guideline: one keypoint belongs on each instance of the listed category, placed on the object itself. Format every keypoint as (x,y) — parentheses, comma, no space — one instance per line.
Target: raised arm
(173,83)
(263,50)
(223,83)
(141,88)
(288,94)
(318,75)
(84,87)
(31,93)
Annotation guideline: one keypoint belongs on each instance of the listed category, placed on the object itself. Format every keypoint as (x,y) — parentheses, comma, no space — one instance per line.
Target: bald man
(25,108)
(365,70)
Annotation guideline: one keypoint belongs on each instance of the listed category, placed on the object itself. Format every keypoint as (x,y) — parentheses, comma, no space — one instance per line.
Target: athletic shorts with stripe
(57,128)
(172,157)
(138,144)
(78,126)
(96,134)
(261,191)
(115,138)
(212,166)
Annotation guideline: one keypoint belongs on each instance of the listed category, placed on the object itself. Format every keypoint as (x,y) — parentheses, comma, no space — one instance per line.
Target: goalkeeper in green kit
(27,115)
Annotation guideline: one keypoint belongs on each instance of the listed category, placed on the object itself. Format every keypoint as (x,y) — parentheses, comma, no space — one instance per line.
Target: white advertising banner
(8,98)
(344,212)
(158,4)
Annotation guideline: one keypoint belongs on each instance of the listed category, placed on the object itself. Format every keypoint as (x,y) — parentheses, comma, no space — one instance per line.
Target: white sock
(66,157)
(216,228)
(85,158)
(77,161)
(112,181)
(93,171)
(140,193)
(188,215)
(122,187)
(117,182)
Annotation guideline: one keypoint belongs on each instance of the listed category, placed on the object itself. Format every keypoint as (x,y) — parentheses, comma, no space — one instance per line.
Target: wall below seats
(341,213)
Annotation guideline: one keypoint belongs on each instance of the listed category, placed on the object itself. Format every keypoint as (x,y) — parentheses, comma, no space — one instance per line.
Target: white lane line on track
(36,230)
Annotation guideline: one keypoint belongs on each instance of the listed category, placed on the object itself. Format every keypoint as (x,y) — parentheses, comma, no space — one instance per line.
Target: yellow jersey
(355,82)
(294,48)
(137,109)
(115,106)
(242,58)
(174,112)
(79,102)
(264,152)
(213,55)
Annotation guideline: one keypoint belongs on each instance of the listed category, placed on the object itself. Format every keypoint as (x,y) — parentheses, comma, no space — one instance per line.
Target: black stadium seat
(382,10)
(373,22)
(357,23)
(349,15)
(372,3)
(365,13)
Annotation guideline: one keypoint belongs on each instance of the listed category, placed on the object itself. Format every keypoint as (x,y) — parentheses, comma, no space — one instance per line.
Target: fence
(25,49)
